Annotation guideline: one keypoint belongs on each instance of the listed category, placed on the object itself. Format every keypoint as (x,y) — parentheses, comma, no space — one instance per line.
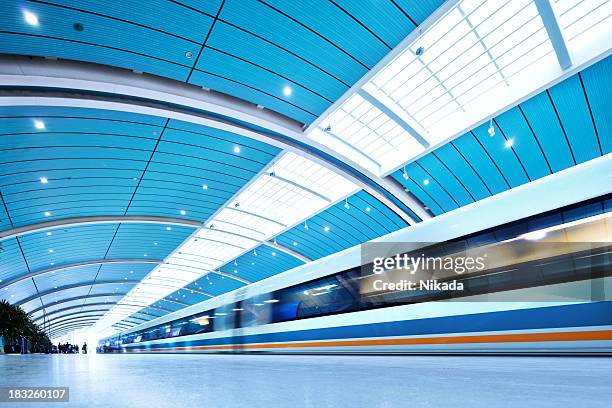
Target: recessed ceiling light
(189,54)
(295,243)
(47,214)
(287,90)
(367,209)
(326,228)
(155,243)
(509,143)
(273,253)
(50,251)
(183,212)
(39,124)
(49,233)
(168,228)
(204,186)
(30,18)
(426,181)
(236,149)
(44,180)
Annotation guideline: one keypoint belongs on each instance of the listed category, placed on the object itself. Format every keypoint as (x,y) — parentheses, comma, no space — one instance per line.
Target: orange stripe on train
(490,338)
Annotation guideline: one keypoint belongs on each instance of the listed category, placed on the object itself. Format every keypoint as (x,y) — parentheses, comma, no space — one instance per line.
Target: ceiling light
(287,90)
(30,18)
(236,149)
(183,212)
(155,243)
(168,228)
(49,233)
(346,204)
(204,187)
(50,251)
(367,209)
(509,143)
(271,301)
(273,253)
(426,182)
(405,174)
(491,128)
(44,180)
(326,228)
(47,214)
(189,54)
(39,124)
(306,226)
(295,243)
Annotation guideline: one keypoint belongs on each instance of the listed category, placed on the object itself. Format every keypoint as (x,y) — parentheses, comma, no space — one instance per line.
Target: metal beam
(101,219)
(64,330)
(288,251)
(77,285)
(65,300)
(71,308)
(551,23)
(78,265)
(389,108)
(84,318)
(72,316)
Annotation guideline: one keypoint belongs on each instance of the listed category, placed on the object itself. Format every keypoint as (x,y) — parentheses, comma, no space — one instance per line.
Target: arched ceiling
(166,152)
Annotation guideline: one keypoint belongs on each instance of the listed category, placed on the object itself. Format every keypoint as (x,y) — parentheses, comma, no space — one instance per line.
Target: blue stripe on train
(579,315)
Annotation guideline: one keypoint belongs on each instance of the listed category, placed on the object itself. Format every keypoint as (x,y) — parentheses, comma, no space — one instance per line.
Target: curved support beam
(173,301)
(287,250)
(49,320)
(102,219)
(78,265)
(75,316)
(64,330)
(77,285)
(122,90)
(83,319)
(64,309)
(92,296)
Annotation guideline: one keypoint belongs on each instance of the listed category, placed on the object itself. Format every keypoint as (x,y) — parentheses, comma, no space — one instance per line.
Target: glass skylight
(478,59)
(289,191)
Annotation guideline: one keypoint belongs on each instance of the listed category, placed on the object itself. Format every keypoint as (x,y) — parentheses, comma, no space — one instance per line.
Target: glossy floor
(255,381)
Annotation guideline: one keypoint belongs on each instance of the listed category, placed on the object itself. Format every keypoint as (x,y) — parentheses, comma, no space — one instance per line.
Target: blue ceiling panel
(50,281)
(418,10)
(215,284)
(110,288)
(571,104)
(139,47)
(268,262)
(598,88)
(18,291)
(513,126)
(124,271)
(67,245)
(366,219)
(268,56)
(152,240)
(448,181)
(463,171)
(11,260)
(545,123)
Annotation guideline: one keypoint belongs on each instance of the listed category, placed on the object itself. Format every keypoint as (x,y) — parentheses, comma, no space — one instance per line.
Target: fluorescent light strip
(479,58)
(286,193)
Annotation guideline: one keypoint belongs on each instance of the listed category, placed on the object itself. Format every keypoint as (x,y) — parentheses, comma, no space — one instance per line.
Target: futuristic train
(545,288)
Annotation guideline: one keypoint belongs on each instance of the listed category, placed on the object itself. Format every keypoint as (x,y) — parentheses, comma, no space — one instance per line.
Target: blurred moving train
(546,291)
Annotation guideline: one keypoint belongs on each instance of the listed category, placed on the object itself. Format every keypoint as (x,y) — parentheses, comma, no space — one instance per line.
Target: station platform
(254,381)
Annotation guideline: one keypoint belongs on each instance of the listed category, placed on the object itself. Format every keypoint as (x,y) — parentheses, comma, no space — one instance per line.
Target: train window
(256,310)
(224,317)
